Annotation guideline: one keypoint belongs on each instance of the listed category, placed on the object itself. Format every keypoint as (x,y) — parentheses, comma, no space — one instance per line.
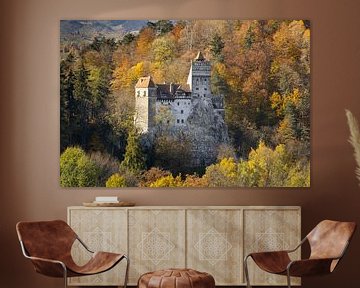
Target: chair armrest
(280,251)
(46,260)
(268,253)
(49,267)
(309,267)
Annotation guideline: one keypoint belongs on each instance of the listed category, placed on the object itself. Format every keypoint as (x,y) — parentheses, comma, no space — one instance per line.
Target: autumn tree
(77,169)
(173,153)
(222,174)
(143,43)
(153,174)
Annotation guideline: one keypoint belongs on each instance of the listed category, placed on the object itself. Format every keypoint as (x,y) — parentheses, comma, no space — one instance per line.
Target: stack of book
(106,199)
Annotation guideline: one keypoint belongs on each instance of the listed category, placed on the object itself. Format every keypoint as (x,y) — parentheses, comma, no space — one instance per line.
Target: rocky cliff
(206,130)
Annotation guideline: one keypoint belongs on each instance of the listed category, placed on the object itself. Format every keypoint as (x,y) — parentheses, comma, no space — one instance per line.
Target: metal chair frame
(23,249)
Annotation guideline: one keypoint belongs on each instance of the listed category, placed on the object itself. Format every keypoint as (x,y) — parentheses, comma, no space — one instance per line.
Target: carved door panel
(101,230)
(156,240)
(214,244)
(269,230)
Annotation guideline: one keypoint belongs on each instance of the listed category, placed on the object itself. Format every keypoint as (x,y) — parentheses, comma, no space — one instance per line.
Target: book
(107,199)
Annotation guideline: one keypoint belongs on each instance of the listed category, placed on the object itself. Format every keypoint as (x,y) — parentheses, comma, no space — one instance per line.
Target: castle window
(178,103)
(168,121)
(197,88)
(138,93)
(144,93)
(205,79)
(205,89)
(182,120)
(204,95)
(177,121)
(182,112)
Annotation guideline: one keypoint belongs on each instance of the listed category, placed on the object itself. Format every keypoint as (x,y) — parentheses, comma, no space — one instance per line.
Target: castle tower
(199,76)
(145,104)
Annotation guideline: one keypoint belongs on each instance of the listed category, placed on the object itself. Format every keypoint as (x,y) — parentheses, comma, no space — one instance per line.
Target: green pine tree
(67,102)
(216,47)
(134,160)
(84,112)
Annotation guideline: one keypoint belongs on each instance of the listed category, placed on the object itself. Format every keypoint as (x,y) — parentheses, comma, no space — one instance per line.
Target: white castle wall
(180,109)
(145,108)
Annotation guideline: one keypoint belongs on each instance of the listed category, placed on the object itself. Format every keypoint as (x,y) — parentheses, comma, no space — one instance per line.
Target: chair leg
(127,271)
(246,270)
(65,276)
(288,278)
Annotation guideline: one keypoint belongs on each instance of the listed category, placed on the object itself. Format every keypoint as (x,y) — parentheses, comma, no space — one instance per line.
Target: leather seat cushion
(176,278)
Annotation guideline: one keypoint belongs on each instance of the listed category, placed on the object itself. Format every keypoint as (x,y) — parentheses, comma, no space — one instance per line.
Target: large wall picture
(185,103)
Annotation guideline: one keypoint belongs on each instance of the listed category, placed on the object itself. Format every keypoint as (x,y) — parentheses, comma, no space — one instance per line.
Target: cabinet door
(156,240)
(270,230)
(214,244)
(101,230)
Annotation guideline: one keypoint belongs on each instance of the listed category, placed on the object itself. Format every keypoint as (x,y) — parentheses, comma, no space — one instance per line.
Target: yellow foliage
(288,40)
(299,176)
(285,130)
(115,181)
(119,75)
(125,76)
(167,181)
(220,68)
(279,102)
(195,181)
(266,167)
(307,35)
(223,173)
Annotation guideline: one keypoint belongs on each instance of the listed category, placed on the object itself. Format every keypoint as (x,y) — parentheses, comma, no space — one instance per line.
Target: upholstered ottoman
(176,278)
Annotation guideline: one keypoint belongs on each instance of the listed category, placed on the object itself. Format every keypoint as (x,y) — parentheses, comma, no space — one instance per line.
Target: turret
(199,76)
(145,104)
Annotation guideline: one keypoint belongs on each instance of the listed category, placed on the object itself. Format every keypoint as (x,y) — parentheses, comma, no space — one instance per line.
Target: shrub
(115,181)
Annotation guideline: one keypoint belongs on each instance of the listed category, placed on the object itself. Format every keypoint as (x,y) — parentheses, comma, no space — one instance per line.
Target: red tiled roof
(145,82)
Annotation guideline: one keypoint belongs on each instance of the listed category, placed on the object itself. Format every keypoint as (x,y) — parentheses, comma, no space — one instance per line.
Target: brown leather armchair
(328,242)
(48,245)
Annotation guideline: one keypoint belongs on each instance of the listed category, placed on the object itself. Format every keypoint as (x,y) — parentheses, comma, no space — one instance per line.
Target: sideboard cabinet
(212,239)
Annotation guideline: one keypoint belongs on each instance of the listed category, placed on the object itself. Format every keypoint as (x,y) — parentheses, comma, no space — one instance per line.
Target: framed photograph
(184,103)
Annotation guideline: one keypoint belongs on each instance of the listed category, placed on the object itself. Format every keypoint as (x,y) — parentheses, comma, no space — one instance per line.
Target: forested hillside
(261,67)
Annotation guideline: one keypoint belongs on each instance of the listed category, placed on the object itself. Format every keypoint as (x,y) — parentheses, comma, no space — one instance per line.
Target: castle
(174,103)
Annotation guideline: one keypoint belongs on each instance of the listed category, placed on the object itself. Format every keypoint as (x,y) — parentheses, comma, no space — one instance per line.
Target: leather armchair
(48,245)
(328,243)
